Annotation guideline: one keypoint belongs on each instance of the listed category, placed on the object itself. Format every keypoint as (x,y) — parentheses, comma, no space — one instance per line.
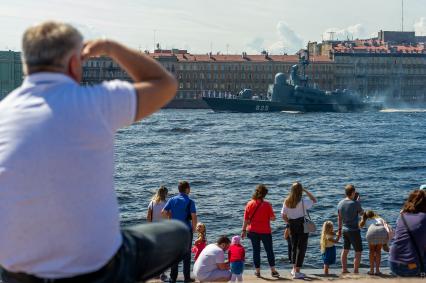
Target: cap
(236,240)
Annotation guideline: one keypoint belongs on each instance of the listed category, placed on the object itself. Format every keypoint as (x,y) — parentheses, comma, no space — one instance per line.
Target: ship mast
(304,61)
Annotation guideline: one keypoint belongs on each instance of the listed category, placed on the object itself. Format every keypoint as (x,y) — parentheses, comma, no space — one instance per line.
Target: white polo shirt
(59,214)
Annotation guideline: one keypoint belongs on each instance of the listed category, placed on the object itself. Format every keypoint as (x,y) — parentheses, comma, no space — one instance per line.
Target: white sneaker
(292,272)
(298,275)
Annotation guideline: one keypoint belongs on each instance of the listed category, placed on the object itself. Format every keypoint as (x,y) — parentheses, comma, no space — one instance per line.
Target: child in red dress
(201,241)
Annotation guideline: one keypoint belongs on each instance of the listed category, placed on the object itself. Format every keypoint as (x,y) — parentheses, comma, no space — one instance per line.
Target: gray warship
(292,93)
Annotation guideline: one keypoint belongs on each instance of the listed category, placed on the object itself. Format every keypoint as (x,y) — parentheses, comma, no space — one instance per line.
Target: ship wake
(408,110)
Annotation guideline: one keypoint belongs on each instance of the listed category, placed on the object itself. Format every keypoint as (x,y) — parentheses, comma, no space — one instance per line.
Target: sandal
(378,273)
(257,274)
(371,273)
(275,274)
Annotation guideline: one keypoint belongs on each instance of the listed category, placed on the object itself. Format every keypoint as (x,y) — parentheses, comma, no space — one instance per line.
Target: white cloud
(357,31)
(420,26)
(257,45)
(289,41)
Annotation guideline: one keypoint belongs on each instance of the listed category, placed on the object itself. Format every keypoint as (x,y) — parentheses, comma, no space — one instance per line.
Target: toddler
(236,257)
(328,249)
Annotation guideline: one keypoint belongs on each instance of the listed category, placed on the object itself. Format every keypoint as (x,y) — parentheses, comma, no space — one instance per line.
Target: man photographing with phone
(349,210)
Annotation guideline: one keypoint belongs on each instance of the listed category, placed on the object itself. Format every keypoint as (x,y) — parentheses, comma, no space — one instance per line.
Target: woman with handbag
(294,213)
(258,215)
(408,250)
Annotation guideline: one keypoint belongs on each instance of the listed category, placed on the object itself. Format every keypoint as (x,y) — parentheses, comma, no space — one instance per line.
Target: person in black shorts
(349,210)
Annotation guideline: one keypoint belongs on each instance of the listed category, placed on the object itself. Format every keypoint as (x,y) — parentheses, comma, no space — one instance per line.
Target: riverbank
(316,275)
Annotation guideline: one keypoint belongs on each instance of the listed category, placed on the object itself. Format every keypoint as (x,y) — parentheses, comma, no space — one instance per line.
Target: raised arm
(155,86)
(310,196)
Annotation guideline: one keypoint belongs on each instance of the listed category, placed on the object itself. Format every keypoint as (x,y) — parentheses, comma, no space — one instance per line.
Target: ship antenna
(402,15)
(154,38)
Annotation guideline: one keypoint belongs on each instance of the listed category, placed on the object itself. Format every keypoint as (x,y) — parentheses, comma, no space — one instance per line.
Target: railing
(214,94)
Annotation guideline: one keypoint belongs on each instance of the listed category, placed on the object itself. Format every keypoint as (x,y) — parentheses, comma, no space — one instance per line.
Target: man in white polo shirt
(210,265)
(58,211)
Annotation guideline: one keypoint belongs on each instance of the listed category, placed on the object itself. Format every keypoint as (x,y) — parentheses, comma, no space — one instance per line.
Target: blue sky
(219,26)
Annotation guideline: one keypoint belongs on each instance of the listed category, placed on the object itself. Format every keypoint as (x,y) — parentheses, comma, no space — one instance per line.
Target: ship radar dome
(280,79)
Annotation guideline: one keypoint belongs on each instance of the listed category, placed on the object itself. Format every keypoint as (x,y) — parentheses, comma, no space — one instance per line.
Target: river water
(224,156)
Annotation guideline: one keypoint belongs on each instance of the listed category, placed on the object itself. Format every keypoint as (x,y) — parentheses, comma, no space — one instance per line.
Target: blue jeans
(400,269)
(237,267)
(147,251)
(266,239)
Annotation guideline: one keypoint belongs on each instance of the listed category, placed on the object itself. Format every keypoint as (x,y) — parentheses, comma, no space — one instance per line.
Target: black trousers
(147,251)
(266,239)
(289,250)
(299,241)
(186,264)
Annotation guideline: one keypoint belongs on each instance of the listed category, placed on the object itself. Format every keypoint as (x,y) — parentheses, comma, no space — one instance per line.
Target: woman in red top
(257,218)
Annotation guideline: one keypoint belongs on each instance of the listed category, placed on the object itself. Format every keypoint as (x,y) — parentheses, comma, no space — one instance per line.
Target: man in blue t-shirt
(182,208)
(349,210)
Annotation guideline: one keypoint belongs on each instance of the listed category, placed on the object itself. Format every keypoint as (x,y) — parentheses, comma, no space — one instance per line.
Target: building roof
(232,58)
(345,48)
